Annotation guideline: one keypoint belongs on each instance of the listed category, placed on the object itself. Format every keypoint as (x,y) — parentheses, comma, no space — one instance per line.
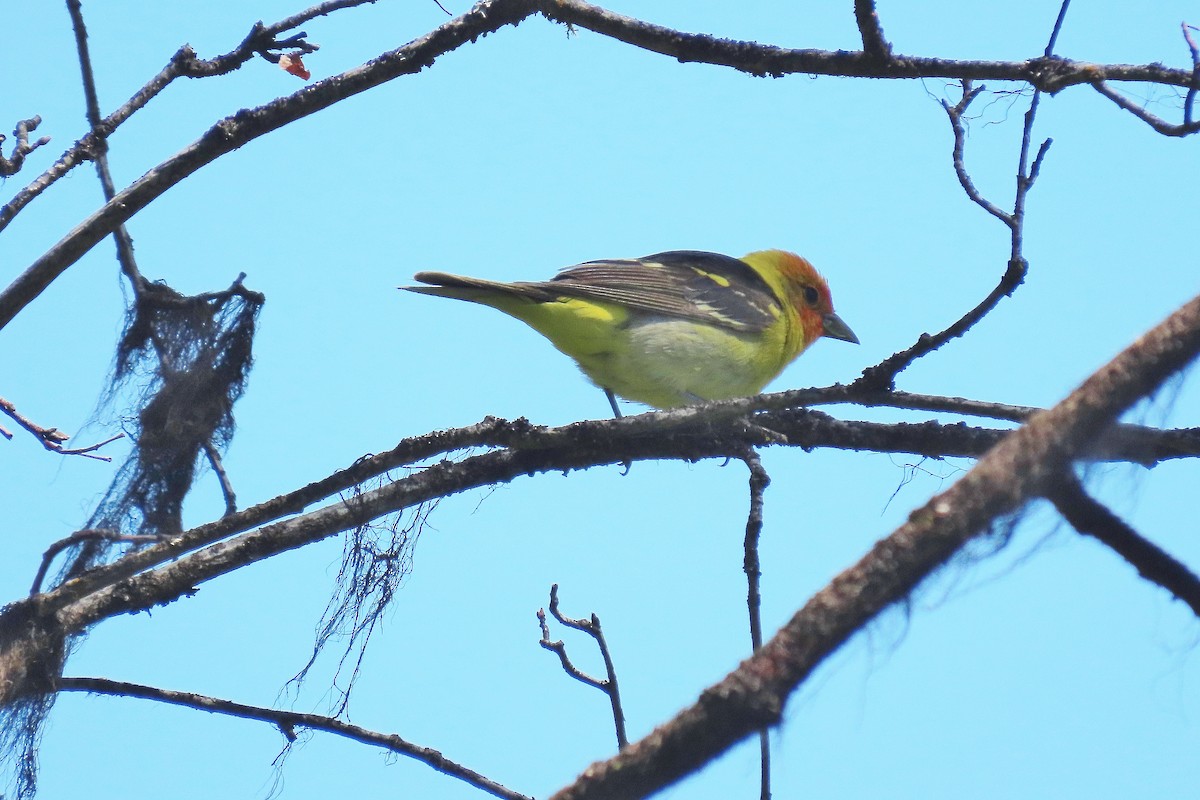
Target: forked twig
(882,376)
(52,438)
(592,628)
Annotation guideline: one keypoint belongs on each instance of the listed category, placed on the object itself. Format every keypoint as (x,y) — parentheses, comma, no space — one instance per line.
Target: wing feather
(688,284)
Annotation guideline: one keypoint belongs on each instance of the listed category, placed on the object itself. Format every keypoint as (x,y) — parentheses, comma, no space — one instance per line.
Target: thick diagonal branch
(1017,469)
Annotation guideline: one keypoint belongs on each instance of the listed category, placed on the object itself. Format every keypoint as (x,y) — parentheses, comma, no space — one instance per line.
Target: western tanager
(673,328)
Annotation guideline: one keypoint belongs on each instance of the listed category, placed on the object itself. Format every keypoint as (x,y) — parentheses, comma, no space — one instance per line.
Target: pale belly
(668,363)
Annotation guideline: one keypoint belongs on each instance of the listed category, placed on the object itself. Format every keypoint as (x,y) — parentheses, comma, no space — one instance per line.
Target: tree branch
(121,235)
(882,376)
(1092,518)
(288,721)
(1189,125)
(1156,122)
(1048,74)
(875,44)
(718,423)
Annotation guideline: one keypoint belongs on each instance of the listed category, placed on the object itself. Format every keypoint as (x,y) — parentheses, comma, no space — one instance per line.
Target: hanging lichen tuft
(188,360)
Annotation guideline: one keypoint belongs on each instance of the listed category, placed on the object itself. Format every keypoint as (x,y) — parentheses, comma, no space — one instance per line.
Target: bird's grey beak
(833,327)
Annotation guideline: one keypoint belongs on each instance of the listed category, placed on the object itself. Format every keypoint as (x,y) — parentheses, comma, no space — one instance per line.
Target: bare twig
(87,452)
(12,165)
(955,113)
(592,628)
(309,14)
(882,376)
(1189,125)
(100,153)
(52,438)
(1159,124)
(218,468)
(288,721)
(759,480)
(1092,518)
(1189,100)
(1058,23)
(1050,74)
(875,44)
(75,538)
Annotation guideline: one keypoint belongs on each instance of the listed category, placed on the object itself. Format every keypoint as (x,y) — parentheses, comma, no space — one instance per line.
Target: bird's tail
(477,290)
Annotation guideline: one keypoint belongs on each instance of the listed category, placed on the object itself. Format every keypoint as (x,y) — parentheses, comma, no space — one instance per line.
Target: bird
(670,329)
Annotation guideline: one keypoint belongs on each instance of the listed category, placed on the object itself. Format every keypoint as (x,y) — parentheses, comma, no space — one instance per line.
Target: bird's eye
(811,296)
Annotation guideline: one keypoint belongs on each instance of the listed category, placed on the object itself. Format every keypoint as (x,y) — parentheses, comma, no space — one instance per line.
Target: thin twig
(88,535)
(1058,23)
(1189,100)
(12,165)
(882,376)
(218,468)
(759,480)
(87,451)
(955,113)
(1157,123)
(1189,125)
(1092,518)
(288,721)
(592,628)
(309,14)
(100,154)
(52,438)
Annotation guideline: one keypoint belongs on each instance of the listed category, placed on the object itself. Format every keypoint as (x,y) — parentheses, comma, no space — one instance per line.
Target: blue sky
(1048,669)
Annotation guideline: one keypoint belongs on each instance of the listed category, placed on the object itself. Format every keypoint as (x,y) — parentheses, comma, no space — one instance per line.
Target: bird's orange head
(806,291)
